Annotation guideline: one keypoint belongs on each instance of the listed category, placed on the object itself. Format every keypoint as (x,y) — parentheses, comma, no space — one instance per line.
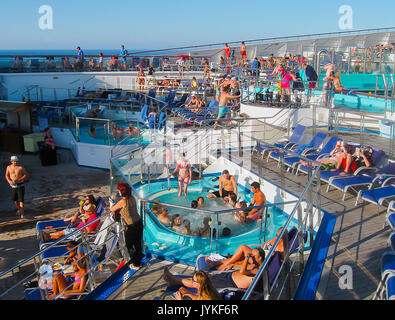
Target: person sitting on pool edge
(227,184)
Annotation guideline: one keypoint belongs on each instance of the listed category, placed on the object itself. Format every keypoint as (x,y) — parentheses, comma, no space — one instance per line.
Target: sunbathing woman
(60,283)
(184,176)
(242,252)
(76,252)
(90,216)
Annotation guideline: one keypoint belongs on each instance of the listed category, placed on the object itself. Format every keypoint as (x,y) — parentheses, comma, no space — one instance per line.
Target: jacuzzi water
(167,243)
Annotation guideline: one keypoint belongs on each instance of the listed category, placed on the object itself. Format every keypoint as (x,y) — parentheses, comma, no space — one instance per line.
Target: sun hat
(14,158)
(89,207)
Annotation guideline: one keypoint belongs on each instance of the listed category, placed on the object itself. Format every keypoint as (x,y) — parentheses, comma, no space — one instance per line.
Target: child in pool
(231,199)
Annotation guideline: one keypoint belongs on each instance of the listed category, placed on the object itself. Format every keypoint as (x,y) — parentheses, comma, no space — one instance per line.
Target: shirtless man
(16,175)
(224,98)
(227,185)
(258,200)
(241,279)
(184,175)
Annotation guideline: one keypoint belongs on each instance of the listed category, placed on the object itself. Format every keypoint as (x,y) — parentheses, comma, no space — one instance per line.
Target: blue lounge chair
(283,143)
(46,225)
(210,115)
(377,196)
(294,162)
(363,177)
(314,144)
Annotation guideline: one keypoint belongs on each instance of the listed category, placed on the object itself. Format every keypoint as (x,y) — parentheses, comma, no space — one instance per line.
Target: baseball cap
(14,158)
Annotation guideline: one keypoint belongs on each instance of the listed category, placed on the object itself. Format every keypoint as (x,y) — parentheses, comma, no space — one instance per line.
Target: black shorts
(224,193)
(18,194)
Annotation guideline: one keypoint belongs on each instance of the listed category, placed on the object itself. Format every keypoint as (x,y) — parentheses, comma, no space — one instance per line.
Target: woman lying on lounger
(242,252)
(199,281)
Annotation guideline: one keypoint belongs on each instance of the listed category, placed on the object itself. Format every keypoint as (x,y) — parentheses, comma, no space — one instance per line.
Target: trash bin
(48,155)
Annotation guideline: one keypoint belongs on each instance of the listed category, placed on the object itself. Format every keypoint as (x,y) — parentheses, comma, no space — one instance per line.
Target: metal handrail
(279,237)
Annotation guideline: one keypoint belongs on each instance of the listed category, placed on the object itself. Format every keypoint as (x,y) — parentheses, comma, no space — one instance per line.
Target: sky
(159,24)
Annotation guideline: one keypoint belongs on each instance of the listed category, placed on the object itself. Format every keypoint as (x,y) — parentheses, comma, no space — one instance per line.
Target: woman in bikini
(184,175)
(140,79)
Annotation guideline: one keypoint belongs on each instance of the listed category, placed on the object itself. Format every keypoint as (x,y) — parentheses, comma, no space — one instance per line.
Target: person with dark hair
(227,184)
(16,175)
(194,204)
(200,201)
(76,252)
(127,207)
(258,200)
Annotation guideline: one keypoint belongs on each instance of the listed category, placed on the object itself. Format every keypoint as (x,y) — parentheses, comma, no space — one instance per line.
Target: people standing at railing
(78,282)
(48,138)
(152,119)
(16,176)
(127,208)
(123,55)
(256,65)
(308,74)
(206,65)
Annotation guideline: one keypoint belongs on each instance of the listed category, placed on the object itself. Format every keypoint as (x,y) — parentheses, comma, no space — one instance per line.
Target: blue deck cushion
(341,183)
(391,287)
(41,225)
(375,195)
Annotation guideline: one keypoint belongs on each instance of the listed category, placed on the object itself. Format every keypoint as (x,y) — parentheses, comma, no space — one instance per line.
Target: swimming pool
(168,244)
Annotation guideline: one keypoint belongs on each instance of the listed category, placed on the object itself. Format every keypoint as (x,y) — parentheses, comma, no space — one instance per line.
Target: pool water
(166,243)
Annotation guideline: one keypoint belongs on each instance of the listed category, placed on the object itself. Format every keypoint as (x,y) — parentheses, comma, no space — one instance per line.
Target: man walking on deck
(16,176)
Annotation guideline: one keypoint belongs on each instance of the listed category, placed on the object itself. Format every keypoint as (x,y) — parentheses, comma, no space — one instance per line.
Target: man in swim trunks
(258,200)
(16,176)
(224,98)
(184,175)
(241,279)
(227,185)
